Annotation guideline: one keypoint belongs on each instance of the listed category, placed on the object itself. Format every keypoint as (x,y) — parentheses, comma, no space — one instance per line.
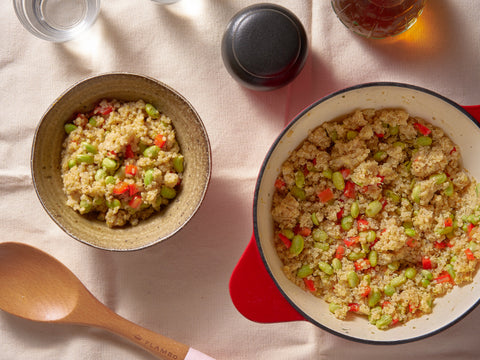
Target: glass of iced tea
(378,19)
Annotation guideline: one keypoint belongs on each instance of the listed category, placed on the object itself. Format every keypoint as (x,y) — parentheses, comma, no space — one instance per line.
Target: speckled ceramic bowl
(191,135)
(438,110)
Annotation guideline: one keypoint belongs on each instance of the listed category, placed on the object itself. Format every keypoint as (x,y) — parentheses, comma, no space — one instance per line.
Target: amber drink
(378,19)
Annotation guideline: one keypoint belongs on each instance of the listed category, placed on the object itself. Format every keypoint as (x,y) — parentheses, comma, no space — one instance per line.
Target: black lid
(264,46)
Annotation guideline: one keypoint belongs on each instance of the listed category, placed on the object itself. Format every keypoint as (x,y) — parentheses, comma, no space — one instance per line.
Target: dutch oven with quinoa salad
(121,162)
(366,213)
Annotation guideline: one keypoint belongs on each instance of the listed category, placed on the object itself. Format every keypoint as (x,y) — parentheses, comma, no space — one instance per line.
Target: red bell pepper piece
(470,227)
(340,252)
(280,184)
(423,129)
(130,169)
(351,240)
(426,263)
(285,240)
(132,189)
(325,195)
(305,231)
(362,224)
(128,152)
(469,254)
(366,291)
(448,222)
(443,278)
(135,202)
(411,242)
(349,190)
(120,188)
(345,173)
(160,140)
(353,307)
(309,284)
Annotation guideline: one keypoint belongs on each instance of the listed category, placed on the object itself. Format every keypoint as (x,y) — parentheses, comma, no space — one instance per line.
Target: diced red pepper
(443,278)
(394,321)
(469,254)
(103,110)
(351,240)
(349,190)
(379,135)
(385,303)
(132,189)
(453,150)
(470,227)
(309,284)
(340,214)
(160,140)
(411,242)
(131,169)
(362,224)
(448,222)
(285,240)
(345,173)
(366,291)
(423,129)
(304,231)
(325,195)
(135,202)
(305,170)
(314,161)
(120,188)
(382,179)
(353,307)
(426,263)
(412,308)
(128,152)
(340,252)
(279,184)
(439,245)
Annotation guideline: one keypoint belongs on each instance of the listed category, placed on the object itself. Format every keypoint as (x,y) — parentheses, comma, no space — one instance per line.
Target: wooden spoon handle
(160,346)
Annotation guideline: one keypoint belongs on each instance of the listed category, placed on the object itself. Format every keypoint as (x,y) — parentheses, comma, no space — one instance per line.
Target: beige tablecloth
(180,287)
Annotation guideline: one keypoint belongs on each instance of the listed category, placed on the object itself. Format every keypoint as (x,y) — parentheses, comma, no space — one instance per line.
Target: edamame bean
(89,147)
(351,134)
(373,208)
(322,246)
(338,180)
(384,321)
(394,265)
(410,273)
(389,290)
(168,192)
(394,130)
(371,236)
(71,163)
(327,173)
(336,264)
(297,245)
(332,307)
(449,189)
(325,267)
(410,232)
(298,193)
(450,270)
(288,233)
(109,164)
(424,141)
(395,198)
(85,206)
(69,128)
(439,178)
(355,210)
(354,256)
(314,219)
(151,151)
(427,274)
(178,164)
(374,297)
(425,282)
(373,258)
(379,156)
(416,193)
(92,121)
(304,271)
(152,111)
(352,279)
(398,281)
(100,174)
(85,158)
(148,177)
(299,179)
(347,222)
(110,180)
(113,204)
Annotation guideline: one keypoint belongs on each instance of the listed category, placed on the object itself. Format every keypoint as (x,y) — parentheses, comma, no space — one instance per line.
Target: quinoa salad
(121,162)
(374,214)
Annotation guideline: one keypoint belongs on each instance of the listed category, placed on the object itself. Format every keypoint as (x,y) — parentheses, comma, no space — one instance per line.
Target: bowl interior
(191,135)
(461,128)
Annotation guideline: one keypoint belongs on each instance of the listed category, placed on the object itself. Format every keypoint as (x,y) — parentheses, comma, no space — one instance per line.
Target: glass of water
(57,20)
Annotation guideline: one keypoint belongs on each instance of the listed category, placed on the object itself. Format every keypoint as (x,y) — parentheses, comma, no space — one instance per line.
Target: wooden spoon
(36,286)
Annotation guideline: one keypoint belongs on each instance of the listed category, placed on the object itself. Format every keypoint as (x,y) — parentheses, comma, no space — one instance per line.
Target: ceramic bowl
(47,147)
(436,109)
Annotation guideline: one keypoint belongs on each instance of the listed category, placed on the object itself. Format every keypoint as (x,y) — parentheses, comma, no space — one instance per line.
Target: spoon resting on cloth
(36,286)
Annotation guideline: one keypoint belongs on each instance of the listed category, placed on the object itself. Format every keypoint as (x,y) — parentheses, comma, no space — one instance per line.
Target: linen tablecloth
(180,287)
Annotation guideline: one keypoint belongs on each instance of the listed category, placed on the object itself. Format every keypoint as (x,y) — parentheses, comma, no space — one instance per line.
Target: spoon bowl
(36,286)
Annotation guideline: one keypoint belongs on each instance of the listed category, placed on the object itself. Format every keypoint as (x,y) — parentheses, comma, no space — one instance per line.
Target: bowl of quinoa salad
(121,161)
(367,213)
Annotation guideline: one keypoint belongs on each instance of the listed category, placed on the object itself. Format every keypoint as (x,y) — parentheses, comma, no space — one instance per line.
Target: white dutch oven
(441,112)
